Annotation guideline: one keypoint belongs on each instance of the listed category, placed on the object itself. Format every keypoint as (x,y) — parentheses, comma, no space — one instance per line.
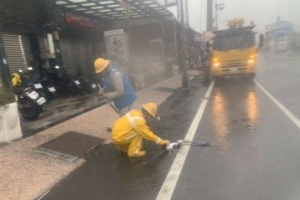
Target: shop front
(63,38)
(152,48)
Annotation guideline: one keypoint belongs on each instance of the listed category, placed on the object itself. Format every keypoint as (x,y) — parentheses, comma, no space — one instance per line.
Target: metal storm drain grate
(165,89)
(70,146)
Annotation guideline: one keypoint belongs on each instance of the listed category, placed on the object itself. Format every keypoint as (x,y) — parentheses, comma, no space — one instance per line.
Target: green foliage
(6,97)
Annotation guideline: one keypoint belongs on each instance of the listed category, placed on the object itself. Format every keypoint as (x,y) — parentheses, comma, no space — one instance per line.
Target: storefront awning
(115,9)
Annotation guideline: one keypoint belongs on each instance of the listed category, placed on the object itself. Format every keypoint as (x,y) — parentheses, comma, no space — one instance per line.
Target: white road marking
(43,195)
(167,189)
(288,113)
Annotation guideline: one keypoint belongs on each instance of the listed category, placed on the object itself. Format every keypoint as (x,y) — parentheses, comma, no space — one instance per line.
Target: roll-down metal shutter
(27,51)
(18,51)
(77,54)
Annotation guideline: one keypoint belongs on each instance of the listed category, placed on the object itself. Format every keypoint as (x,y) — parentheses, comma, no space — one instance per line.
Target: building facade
(280,36)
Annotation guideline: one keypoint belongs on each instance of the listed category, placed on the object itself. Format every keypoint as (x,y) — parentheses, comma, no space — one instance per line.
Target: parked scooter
(29,101)
(43,85)
(87,85)
(63,82)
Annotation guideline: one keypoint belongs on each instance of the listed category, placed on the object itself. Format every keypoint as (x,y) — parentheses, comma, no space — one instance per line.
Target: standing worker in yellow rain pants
(128,131)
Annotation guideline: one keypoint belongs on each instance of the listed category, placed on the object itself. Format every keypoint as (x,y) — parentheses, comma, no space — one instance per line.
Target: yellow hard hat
(100,64)
(151,108)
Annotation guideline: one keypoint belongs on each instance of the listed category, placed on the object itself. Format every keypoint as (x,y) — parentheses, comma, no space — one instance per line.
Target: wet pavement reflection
(252,111)
(234,100)
(220,122)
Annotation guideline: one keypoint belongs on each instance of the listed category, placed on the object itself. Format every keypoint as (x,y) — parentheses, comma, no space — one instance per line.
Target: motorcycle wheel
(72,91)
(88,89)
(29,109)
(49,96)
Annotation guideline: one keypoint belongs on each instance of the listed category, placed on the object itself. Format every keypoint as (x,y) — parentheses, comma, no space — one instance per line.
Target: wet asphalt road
(254,152)
(108,174)
(280,75)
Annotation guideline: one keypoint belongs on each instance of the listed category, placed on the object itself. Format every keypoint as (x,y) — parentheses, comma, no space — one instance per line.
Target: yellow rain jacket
(129,130)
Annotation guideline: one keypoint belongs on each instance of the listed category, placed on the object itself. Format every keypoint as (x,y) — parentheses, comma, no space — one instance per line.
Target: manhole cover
(70,146)
(165,89)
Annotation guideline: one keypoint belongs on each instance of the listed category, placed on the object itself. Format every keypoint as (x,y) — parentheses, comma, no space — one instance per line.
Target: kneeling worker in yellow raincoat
(128,131)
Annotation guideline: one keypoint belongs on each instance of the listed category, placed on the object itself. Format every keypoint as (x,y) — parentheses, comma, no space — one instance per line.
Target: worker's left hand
(167,142)
(169,148)
(101,92)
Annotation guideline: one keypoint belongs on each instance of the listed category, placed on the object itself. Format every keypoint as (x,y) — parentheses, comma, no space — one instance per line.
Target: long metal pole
(184,80)
(216,12)
(175,42)
(188,32)
(209,15)
(179,49)
(130,65)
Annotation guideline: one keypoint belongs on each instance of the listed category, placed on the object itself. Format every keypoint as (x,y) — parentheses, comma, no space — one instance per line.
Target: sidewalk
(27,175)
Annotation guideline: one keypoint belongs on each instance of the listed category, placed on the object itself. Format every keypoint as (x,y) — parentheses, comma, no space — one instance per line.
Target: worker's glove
(169,148)
(172,146)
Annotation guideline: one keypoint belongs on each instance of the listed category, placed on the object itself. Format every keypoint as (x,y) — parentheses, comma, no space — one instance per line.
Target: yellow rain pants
(128,133)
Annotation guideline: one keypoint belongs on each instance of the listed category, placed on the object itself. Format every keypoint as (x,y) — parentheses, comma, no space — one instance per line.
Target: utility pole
(130,65)
(188,32)
(185,78)
(175,41)
(216,15)
(209,15)
(182,39)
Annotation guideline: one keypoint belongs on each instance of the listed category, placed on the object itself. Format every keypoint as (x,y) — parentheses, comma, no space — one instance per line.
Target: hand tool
(109,101)
(176,145)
